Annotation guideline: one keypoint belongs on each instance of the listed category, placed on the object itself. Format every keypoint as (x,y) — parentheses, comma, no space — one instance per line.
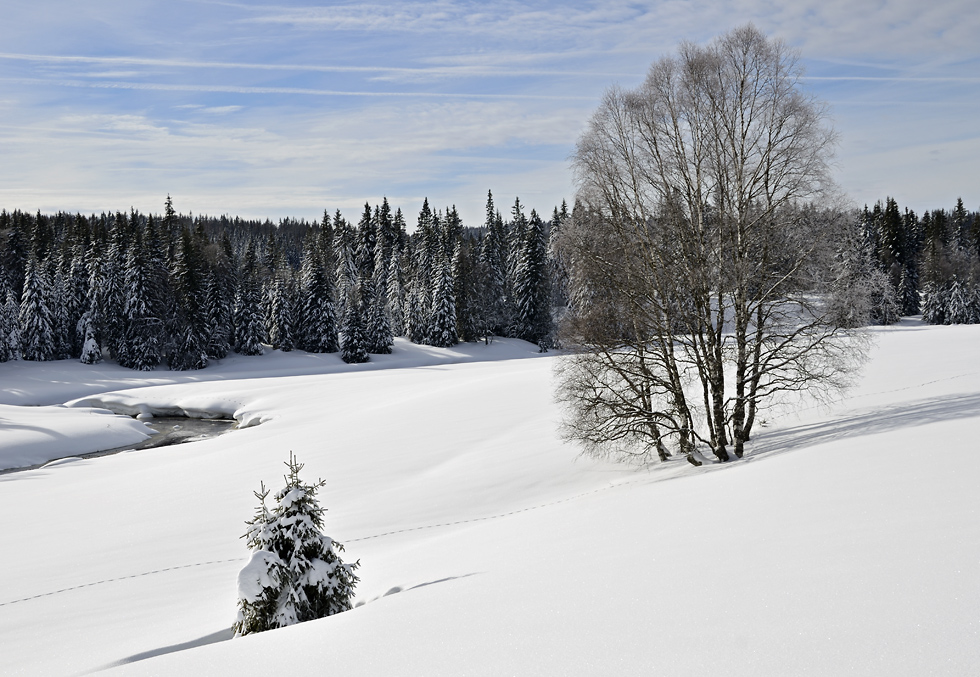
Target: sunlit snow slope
(847,543)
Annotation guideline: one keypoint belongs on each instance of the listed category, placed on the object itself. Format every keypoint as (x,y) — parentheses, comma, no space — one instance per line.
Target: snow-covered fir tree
(558,266)
(295,572)
(378,338)
(249,328)
(345,250)
(143,332)
(76,296)
(91,352)
(908,290)
(959,304)
(37,340)
(109,293)
(416,320)
(352,348)
(217,314)
(395,293)
(9,321)
(494,256)
(187,348)
(934,303)
(426,246)
(462,265)
(61,331)
(532,293)
(443,332)
(280,313)
(318,319)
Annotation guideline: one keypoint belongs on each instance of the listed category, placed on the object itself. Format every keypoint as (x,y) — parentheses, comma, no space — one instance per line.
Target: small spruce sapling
(295,573)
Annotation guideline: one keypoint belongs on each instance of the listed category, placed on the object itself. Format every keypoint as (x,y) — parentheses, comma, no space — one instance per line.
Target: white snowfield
(847,543)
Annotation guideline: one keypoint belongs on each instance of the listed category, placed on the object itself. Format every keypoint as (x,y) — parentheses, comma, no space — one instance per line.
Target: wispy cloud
(302,91)
(297,164)
(897,78)
(288,108)
(467,70)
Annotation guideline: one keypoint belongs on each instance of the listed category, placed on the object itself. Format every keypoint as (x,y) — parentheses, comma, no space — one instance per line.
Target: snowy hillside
(848,541)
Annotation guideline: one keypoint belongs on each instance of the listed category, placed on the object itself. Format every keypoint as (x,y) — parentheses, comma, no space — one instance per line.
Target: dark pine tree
(345,250)
(76,297)
(494,256)
(281,311)
(352,350)
(9,321)
(217,313)
(106,289)
(318,331)
(249,328)
(187,347)
(37,341)
(532,293)
(443,320)
(142,309)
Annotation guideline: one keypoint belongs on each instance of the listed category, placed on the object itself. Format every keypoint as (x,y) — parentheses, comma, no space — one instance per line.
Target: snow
(254,577)
(848,541)
(33,435)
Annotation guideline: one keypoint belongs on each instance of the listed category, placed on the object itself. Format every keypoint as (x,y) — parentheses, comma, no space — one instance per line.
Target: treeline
(148,289)
(928,265)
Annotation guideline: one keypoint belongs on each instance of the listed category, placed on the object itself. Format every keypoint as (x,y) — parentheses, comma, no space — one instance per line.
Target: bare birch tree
(699,259)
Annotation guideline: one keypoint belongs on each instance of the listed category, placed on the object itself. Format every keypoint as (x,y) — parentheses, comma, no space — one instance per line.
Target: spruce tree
(959,304)
(494,256)
(443,323)
(16,251)
(934,303)
(426,246)
(187,348)
(37,341)
(217,315)
(908,289)
(532,293)
(9,322)
(280,311)
(318,331)
(295,573)
(960,226)
(143,333)
(352,350)
(249,328)
(91,352)
(345,250)
(106,300)
(557,265)
(76,296)
(378,336)
(384,246)
(416,320)
(62,331)
(467,290)
(395,294)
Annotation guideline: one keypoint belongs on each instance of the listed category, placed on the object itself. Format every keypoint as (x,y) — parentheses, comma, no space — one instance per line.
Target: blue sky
(272,110)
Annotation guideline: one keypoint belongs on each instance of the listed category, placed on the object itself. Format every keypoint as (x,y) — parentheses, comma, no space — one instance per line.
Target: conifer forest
(179,290)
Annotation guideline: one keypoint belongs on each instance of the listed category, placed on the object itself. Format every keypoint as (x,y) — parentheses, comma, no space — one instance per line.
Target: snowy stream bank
(167,431)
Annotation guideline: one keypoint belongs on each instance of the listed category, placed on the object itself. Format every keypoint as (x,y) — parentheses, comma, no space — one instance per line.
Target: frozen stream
(180,429)
(170,430)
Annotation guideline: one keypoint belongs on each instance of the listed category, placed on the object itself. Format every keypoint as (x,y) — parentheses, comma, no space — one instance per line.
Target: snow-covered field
(847,543)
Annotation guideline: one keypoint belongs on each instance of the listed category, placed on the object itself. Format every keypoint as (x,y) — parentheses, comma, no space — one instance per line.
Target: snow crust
(848,542)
